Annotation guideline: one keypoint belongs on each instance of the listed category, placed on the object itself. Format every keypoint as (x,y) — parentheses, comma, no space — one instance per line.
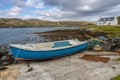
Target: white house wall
(114,22)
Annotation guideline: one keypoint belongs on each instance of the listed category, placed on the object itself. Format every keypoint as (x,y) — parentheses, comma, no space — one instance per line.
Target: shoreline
(69,34)
(38,26)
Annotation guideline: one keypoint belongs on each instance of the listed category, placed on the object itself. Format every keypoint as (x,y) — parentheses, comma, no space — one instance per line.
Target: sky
(59,10)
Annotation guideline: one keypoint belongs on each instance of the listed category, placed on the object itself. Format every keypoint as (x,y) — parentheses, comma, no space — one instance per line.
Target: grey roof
(107,19)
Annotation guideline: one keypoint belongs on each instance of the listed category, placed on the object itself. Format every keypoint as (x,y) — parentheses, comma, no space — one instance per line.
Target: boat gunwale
(53,49)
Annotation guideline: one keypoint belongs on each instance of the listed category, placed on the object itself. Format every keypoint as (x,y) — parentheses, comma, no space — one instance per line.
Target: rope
(17,55)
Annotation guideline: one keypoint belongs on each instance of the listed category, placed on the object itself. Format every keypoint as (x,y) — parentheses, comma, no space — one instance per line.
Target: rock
(3,68)
(5,63)
(91,29)
(6,60)
(4,49)
(30,69)
(3,58)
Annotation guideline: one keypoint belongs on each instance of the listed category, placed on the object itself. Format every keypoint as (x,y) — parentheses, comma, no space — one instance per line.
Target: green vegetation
(116,78)
(16,22)
(112,30)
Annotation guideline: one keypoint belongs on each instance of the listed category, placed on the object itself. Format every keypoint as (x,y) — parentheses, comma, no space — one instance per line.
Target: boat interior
(50,45)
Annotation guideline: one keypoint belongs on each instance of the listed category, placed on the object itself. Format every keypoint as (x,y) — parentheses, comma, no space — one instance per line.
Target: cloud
(55,13)
(62,9)
(18,3)
(35,3)
(28,3)
(1,12)
(85,8)
(15,11)
(112,11)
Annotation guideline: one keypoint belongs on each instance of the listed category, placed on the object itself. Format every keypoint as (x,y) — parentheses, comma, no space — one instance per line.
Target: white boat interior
(50,45)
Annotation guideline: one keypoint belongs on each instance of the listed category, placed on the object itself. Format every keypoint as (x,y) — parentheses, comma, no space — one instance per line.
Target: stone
(3,68)
(30,69)
(4,49)
(3,58)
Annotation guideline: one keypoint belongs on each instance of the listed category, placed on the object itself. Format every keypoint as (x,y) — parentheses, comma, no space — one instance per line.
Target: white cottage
(107,21)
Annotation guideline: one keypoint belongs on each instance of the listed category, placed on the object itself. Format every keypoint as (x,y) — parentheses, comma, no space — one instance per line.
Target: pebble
(30,69)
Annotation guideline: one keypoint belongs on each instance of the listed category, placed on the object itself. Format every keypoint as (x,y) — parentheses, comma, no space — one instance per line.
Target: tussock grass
(112,30)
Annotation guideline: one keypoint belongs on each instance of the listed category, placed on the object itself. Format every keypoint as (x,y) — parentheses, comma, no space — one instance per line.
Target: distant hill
(16,22)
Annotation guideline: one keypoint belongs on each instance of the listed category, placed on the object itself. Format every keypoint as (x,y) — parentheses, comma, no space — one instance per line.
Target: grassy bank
(112,30)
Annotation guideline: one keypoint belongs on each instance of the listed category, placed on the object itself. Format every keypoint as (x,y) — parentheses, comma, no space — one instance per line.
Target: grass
(116,78)
(112,30)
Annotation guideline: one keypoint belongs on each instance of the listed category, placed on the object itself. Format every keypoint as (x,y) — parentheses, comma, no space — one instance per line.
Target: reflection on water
(19,35)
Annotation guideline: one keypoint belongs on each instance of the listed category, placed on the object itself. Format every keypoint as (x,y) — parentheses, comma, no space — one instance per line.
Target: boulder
(4,49)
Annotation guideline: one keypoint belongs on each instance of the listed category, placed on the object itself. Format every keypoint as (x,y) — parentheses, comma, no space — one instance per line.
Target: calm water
(20,35)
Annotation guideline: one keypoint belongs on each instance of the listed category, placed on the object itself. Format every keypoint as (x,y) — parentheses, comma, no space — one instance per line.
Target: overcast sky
(59,10)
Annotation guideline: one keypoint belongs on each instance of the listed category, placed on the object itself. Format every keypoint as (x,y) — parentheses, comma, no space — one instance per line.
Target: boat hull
(37,55)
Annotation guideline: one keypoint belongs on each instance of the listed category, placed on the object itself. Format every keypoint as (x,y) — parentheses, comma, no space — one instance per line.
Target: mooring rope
(17,55)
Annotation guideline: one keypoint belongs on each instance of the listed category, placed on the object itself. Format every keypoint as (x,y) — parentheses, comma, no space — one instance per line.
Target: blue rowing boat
(47,50)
